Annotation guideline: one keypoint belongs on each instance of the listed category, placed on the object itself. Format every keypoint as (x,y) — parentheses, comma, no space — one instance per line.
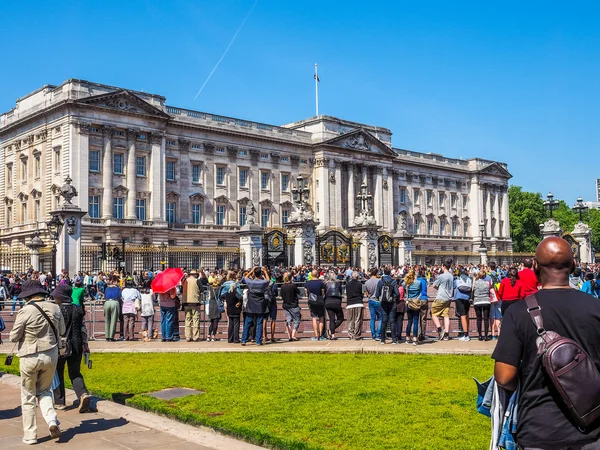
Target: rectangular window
(221,215)
(57,160)
(140,166)
(264,156)
(493,228)
(118,163)
(94,161)
(429,198)
(264,180)
(242,216)
(402,195)
(220,149)
(24,169)
(429,226)
(285,182)
(453,228)
(453,200)
(465,229)
(196,147)
(464,201)
(492,201)
(37,167)
(442,199)
(442,227)
(94,206)
(170,170)
(196,213)
(220,176)
(417,225)
(9,175)
(243,153)
(38,211)
(243,178)
(24,211)
(171,212)
(9,216)
(285,214)
(196,173)
(169,142)
(140,209)
(416,196)
(264,217)
(119,207)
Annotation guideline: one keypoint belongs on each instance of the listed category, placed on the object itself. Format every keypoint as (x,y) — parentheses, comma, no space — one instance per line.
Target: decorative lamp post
(482,246)
(550,204)
(54,227)
(580,208)
(163,252)
(35,245)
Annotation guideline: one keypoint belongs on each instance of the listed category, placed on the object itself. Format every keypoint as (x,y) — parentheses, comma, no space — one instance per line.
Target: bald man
(572,314)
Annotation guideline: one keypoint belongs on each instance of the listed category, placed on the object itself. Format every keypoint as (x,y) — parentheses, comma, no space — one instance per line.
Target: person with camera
(37,328)
(257,280)
(76,346)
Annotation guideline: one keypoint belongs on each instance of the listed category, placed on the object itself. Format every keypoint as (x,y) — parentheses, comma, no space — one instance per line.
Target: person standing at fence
(215,308)
(413,289)
(511,290)
(375,310)
(316,287)
(355,307)
(192,292)
(130,296)
(333,303)
(463,288)
(36,329)
(74,317)
(147,314)
(257,280)
(112,297)
(231,295)
(441,306)
(388,295)
(482,303)
(290,295)
(168,309)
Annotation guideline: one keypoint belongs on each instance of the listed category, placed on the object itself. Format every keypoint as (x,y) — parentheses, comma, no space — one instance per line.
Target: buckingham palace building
(159,185)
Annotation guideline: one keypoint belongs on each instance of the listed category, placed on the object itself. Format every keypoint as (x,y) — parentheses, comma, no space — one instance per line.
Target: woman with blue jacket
(590,286)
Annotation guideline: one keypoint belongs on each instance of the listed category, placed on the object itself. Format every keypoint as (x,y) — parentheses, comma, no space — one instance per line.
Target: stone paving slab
(452,347)
(113,427)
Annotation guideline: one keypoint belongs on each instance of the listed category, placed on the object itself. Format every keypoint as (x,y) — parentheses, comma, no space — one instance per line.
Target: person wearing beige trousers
(36,330)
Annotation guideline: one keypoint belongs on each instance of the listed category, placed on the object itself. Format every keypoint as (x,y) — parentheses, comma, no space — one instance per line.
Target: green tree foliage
(526,212)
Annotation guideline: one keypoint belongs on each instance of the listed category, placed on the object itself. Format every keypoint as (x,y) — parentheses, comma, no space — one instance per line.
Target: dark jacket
(333,293)
(388,280)
(74,318)
(354,292)
(258,302)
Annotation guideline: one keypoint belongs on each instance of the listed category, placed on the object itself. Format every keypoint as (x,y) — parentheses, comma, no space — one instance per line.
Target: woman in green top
(78,294)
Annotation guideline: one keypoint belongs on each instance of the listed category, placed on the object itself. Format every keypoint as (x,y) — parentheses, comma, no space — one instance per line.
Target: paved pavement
(112,427)
(452,347)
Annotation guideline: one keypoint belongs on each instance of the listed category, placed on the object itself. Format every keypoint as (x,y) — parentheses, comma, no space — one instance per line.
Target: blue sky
(512,81)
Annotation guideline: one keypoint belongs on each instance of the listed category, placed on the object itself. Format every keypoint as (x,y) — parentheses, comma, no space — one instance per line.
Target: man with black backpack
(387,293)
(559,381)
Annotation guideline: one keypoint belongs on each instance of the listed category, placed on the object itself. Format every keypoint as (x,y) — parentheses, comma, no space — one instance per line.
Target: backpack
(464,287)
(495,280)
(386,295)
(569,371)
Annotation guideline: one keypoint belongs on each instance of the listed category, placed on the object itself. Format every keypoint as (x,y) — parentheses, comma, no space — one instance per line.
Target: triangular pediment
(496,169)
(124,101)
(360,140)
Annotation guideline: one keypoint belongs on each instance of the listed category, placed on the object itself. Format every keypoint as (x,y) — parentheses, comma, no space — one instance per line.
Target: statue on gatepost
(301,226)
(365,216)
(67,191)
(250,213)
(300,194)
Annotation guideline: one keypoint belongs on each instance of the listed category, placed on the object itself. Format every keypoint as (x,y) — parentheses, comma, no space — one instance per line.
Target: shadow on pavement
(10,413)
(91,426)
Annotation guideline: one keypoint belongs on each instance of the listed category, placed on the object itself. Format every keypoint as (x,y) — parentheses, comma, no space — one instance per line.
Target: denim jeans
(396,319)
(386,311)
(166,322)
(15,301)
(259,327)
(413,319)
(376,313)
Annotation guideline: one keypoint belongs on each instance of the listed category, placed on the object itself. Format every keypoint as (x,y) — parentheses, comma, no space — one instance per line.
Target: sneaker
(60,407)
(315,338)
(382,342)
(440,334)
(84,403)
(466,338)
(29,441)
(322,338)
(394,342)
(407,342)
(243,344)
(54,430)
(415,343)
(445,337)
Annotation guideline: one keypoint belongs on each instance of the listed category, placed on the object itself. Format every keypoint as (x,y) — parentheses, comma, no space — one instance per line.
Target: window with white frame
(196,172)
(196,147)
(119,207)
(465,201)
(170,216)
(264,180)
(118,163)
(416,196)
(402,195)
(243,178)
(94,206)
(9,175)
(285,216)
(37,167)
(242,216)
(140,166)
(429,198)
(285,159)
(264,156)
(38,210)
(170,171)
(94,161)
(57,160)
(264,217)
(140,209)
(285,182)
(453,199)
(24,213)
(9,216)
(220,176)
(23,169)
(243,153)
(221,215)
(429,226)
(196,213)
(442,199)
(417,224)
(220,150)
(442,227)
(465,228)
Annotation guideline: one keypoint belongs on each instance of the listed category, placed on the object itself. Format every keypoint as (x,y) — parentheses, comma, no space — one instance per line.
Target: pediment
(124,101)
(198,196)
(120,190)
(360,140)
(22,196)
(243,200)
(496,169)
(172,195)
(35,193)
(286,204)
(222,200)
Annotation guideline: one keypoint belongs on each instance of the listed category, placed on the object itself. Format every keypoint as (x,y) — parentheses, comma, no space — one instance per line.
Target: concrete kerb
(196,434)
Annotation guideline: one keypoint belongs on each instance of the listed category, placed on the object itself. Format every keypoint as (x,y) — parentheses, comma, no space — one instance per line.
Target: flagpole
(317,87)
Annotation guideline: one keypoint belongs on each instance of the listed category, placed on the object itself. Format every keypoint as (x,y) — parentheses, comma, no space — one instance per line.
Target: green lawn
(310,401)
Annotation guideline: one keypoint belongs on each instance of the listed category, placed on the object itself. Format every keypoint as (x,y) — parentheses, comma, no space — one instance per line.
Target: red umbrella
(167,280)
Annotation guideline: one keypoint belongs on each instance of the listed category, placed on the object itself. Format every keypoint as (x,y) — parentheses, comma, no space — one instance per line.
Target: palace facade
(152,174)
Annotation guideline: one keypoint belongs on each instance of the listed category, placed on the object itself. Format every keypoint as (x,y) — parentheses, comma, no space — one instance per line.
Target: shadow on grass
(120,397)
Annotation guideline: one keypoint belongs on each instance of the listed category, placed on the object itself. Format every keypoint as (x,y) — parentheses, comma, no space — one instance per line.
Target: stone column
(336,182)
(251,247)
(157,178)
(505,217)
(232,186)
(79,166)
(367,237)
(404,251)
(131,195)
(351,194)
(389,207)
(378,195)
(583,234)
(107,171)
(304,235)
(322,197)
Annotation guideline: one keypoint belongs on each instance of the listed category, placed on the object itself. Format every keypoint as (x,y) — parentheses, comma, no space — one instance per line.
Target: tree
(526,212)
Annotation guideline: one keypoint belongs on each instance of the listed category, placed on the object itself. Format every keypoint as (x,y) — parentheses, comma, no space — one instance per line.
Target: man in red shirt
(528,278)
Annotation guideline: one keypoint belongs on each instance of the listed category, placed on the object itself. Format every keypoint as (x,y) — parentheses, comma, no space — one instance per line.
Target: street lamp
(482,234)
(54,227)
(580,208)
(550,204)
(163,252)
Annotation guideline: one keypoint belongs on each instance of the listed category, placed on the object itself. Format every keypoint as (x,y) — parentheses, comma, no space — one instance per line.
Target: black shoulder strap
(47,318)
(535,312)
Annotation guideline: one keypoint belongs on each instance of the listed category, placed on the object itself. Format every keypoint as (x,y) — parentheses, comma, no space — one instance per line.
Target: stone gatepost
(367,236)
(69,253)
(304,234)
(34,246)
(251,247)
(551,228)
(404,249)
(583,233)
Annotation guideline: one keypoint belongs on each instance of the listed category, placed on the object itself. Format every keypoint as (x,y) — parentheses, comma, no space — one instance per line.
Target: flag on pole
(316,77)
